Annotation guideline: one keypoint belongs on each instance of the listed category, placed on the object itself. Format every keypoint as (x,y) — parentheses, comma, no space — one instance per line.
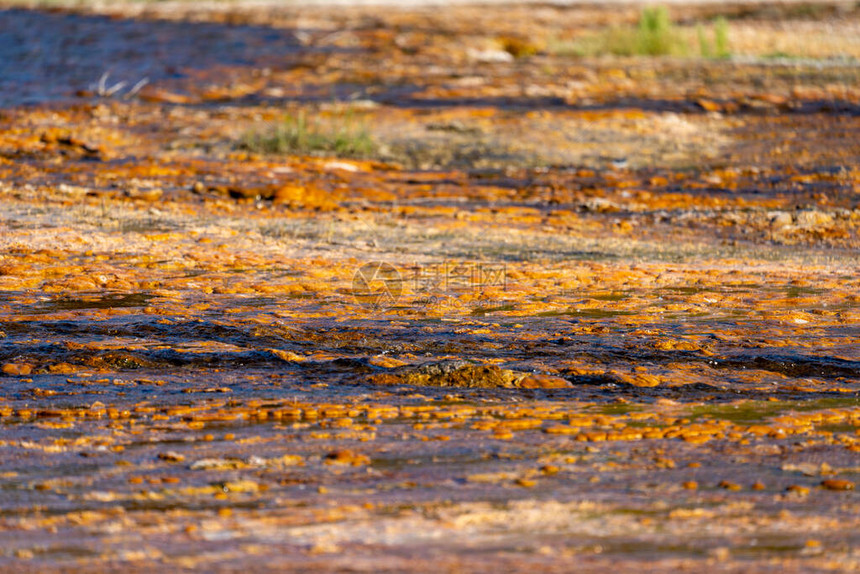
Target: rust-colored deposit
(360,290)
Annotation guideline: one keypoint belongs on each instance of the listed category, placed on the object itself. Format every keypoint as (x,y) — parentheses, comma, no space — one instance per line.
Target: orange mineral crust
(522,288)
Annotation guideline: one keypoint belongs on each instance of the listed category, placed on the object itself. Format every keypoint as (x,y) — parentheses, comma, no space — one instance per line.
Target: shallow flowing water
(521,355)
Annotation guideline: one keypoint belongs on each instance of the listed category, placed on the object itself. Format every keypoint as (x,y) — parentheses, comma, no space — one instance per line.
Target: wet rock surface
(569,312)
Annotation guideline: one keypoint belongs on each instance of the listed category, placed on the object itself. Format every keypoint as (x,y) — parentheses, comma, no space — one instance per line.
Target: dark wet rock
(121,360)
(449,374)
(463,374)
(442,368)
(793,365)
(596,379)
(253,192)
(352,365)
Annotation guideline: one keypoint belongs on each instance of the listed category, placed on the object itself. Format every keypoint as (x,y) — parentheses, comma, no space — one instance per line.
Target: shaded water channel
(53,56)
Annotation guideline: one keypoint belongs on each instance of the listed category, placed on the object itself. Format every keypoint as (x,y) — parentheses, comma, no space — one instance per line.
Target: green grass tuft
(721,38)
(655,35)
(704,45)
(341,136)
(720,47)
